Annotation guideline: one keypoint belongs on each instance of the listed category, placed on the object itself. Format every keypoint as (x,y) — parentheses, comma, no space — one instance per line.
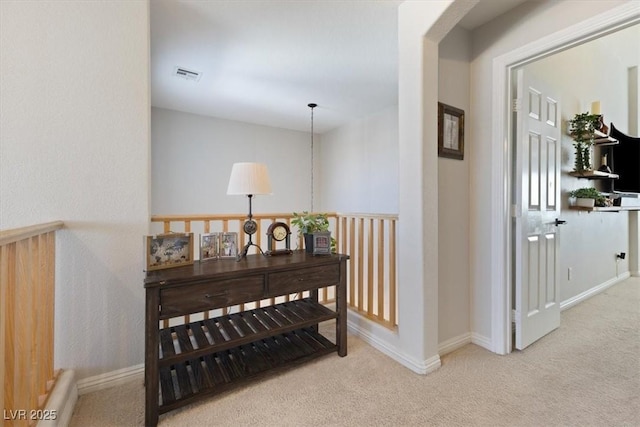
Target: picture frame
(450,132)
(168,250)
(228,245)
(209,246)
(322,243)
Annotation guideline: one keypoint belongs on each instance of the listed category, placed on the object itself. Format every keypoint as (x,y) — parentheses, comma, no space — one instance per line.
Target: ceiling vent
(190,75)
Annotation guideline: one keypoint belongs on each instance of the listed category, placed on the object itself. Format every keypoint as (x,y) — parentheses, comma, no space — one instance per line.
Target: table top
(227,267)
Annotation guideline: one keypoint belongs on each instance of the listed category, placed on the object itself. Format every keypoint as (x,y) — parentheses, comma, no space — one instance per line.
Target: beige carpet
(587,373)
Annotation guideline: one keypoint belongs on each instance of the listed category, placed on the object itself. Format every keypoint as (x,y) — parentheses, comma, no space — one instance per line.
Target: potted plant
(582,129)
(310,223)
(588,197)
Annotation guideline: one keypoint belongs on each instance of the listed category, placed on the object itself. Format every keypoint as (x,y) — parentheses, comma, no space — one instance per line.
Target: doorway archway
(503,65)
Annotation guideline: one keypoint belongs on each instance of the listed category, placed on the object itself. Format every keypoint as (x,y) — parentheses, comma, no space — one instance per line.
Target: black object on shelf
(625,161)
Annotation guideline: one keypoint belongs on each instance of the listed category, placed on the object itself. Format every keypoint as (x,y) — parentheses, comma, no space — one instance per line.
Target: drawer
(303,279)
(206,296)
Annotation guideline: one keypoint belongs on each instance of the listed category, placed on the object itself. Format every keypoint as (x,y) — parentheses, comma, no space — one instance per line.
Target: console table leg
(341,308)
(151,386)
(313,295)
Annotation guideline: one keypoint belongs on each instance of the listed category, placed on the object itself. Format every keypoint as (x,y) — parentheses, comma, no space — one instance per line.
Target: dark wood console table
(186,362)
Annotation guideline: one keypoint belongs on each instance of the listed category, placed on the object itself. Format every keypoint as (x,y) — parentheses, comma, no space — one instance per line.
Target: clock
(276,233)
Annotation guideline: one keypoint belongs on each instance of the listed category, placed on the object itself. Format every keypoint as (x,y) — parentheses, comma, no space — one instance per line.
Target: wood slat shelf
(184,342)
(221,371)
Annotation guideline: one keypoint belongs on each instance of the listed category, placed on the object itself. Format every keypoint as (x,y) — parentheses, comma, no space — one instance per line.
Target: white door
(536,209)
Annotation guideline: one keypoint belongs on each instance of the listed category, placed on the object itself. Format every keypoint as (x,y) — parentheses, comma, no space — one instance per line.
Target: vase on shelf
(585,203)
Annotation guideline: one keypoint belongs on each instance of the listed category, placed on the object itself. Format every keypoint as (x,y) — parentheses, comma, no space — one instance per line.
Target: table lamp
(249,179)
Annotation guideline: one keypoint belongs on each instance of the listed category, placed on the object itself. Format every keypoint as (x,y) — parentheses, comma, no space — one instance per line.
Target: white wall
(359,165)
(589,242)
(74,146)
(192,157)
(422,25)
(510,31)
(356,165)
(453,195)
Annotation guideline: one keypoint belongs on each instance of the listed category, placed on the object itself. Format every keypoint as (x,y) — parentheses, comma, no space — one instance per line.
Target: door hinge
(515,105)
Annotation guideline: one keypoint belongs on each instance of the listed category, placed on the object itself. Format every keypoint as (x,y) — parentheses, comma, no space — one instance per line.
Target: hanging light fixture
(312,106)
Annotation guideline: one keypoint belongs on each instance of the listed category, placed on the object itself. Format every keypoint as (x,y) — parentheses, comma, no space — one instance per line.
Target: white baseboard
(111,379)
(454,343)
(482,341)
(61,401)
(593,291)
(420,367)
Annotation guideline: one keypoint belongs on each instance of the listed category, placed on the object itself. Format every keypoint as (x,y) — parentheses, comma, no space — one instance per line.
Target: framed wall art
(228,245)
(168,250)
(209,246)
(450,132)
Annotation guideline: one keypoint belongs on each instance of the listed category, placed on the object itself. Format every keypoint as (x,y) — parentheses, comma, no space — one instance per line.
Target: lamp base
(245,250)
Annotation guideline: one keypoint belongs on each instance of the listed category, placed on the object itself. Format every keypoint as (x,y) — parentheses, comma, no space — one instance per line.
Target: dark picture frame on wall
(450,132)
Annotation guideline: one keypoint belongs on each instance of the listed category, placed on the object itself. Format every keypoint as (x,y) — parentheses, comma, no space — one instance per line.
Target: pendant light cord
(312,106)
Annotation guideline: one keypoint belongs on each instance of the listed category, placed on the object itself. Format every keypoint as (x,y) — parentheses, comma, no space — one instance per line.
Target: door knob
(559,222)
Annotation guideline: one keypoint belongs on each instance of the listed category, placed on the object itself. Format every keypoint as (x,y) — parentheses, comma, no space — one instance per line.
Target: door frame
(502,155)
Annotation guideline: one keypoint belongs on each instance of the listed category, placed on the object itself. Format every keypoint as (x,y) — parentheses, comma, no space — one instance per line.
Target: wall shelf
(594,174)
(601,139)
(607,209)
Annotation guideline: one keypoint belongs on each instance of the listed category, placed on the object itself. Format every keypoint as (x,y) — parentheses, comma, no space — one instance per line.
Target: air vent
(190,75)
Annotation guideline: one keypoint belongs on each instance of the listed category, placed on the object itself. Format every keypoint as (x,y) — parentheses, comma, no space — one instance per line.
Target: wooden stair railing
(370,240)
(27,288)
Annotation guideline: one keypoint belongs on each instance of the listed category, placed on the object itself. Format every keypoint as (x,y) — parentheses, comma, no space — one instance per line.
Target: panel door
(537,206)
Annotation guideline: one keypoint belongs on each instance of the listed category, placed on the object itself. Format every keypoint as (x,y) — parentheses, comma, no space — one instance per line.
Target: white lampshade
(249,178)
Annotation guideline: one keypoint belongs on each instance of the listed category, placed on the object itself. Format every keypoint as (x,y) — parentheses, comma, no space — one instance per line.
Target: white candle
(595,107)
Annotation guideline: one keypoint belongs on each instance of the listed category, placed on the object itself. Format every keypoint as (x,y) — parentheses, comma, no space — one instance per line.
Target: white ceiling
(263,61)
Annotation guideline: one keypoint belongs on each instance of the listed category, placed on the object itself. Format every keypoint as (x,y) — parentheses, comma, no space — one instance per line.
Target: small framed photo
(228,245)
(322,243)
(209,246)
(450,132)
(168,250)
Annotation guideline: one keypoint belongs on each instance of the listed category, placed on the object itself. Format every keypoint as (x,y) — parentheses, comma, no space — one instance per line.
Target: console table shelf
(183,342)
(186,362)
(187,381)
